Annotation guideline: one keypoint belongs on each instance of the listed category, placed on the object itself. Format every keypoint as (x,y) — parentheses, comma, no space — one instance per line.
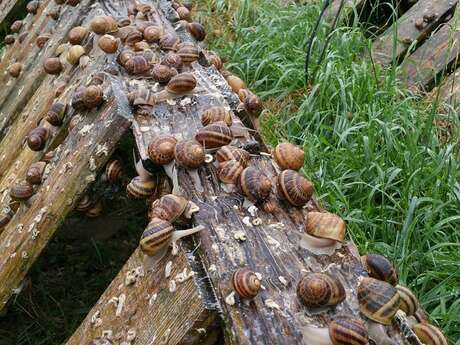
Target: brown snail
(320,289)
(95,210)
(141,46)
(294,188)
(243,94)
(21,191)
(253,104)
(122,22)
(56,113)
(9,39)
(169,42)
(197,31)
(235,83)
(215,135)
(85,203)
(246,283)
(140,188)
(78,34)
(348,330)
(183,13)
(108,44)
(152,33)
(215,60)
(33,6)
(77,98)
(172,208)
(161,149)
(216,113)
(137,64)
(103,25)
(114,171)
(188,52)
(429,334)
(409,303)
(124,56)
(74,54)
(254,184)
(378,300)
(379,267)
(48,157)
(42,40)
(173,60)
(15,69)
(189,154)
(93,96)
(52,65)
(35,172)
(37,138)
(162,73)
(181,83)
(325,225)
(229,171)
(133,37)
(16,26)
(228,152)
(5,218)
(288,156)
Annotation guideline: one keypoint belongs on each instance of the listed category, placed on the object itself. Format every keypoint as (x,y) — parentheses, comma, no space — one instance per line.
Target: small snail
(95,210)
(108,44)
(9,39)
(172,208)
(103,25)
(16,26)
(122,22)
(243,94)
(183,13)
(85,203)
(288,156)
(56,113)
(124,56)
(93,96)
(5,218)
(141,188)
(379,267)
(246,283)
(429,334)
(42,40)
(228,152)
(52,65)
(162,73)
(294,188)
(325,225)
(152,33)
(133,37)
(137,64)
(181,83)
(348,330)
(35,172)
(229,171)
(215,60)
(173,60)
(141,46)
(409,303)
(253,104)
(188,52)
(78,34)
(161,149)
(215,135)
(77,98)
(197,31)
(15,69)
(37,138)
(113,171)
(21,191)
(254,184)
(378,300)
(320,289)
(215,114)
(169,42)
(189,154)
(33,6)
(235,83)
(74,54)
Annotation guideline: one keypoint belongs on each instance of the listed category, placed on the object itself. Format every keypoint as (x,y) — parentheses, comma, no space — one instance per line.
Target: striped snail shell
(215,135)
(139,189)
(156,236)
(21,191)
(288,156)
(74,54)
(189,154)
(379,267)
(325,225)
(429,334)
(216,113)
(37,138)
(137,64)
(77,98)
(181,83)
(169,42)
(16,26)
(347,330)
(320,289)
(409,303)
(163,73)
(9,39)
(215,60)
(141,46)
(85,203)
(56,113)
(152,33)
(246,283)
(254,184)
(95,210)
(103,25)
(33,6)
(15,69)
(161,149)
(188,52)
(108,44)
(169,207)
(133,37)
(173,60)
(93,96)
(142,25)
(183,13)
(378,300)
(124,56)
(228,152)
(294,188)
(35,172)
(229,171)
(42,40)
(113,171)
(78,34)
(197,31)
(48,157)
(235,83)
(253,104)
(52,65)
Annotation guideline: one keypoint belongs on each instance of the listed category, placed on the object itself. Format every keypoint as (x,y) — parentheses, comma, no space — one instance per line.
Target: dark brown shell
(162,73)
(114,171)
(152,33)
(229,171)
(173,60)
(215,135)
(53,65)
(246,283)
(253,104)
(77,35)
(288,156)
(77,98)
(85,203)
(197,31)
(5,218)
(189,154)
(137,65)
(429,334)
(169,207)
(161,149)
(15,69)
(228,152)
(95,210)
(140,189)
(156,236)
(103,25)
(188,52)
(21,191)
(93,96)
(108,44)
(72,3)
(37,138)
(379,267)
(216,113)
(35,172)
(33,6)
(42,40)
(294,188)
(169,42)
(325,225)
(56,113)
(348,330)
(16,26)
(9,39)
(181,83)
(320,289)
(254,184)
(409,303)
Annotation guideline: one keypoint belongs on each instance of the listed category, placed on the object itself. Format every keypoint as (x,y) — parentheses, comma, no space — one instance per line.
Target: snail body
(429,334)
(379,267)
(35,172)
(215,114)
(189,154)
(294,188)
(78,34)
(320,289)
(215,135)
(229,171)
(52,66)
(103,25)
(288,156)
(114,171)
(161,149)
(228,152)
(56,113)
(246,283)
(108,44)
(348,331)
(409,303)
(37,138)
(254,184)
(141,188)
(21,191)
(15,69)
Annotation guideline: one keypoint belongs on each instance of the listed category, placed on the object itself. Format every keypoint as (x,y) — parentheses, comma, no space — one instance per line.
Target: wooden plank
(449,90)
(6,6)
(414,26)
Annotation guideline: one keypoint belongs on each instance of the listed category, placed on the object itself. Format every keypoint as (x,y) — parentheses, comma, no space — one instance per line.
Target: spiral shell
(133,37)
(153,33)
(42,40)
(189,154)
(124,56)
(378,300)
(77,98)
(183,13)
(246,283)
(137,65)
(379,267)
(161,149)
(197,31)
(227,153)
(253,104)
(409,303)
(254,184)
(181,83)
(216,113)
(52,65)
(235,83)
(139,189)
(21,191)
(16,26)
(348,330)
(78,34)
(188,52)
(15,69)
(122,22)
(95,210)
(325,225)
(156,236)
(169,42)
(35,172)
(93,96)
(229,171)
(74,54)
(9,39)
(33,6)
(85,203)
(113,171)
(37,138)
(169,207)
(56,113)
(103,25)
(288,156)
(320,289)
(429,334)
(173,60)
(295,188)
(48,157)
(215,135)
(162,73)
(108,44)
(215,60)
(141,46)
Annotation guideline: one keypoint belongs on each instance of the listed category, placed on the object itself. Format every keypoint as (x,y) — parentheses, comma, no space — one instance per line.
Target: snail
(215,114)
(215,60)
(197,31)
(21,191)
(429,334)
(35,172)
(137,64)
(253,104)
(95,210)
(142,25)
(78,34)
(5,218)
(133,37)
(141,187)
(215,135)
(184,13)
(288,156)
(348,330)
(122,22)
(229,171)
(294,188)
(228,152)
(320,289)
(178,85)
(379,267)
(48,157)
(172,208)
(103,25)
(235,83)
(77,98)
(378,300)
(124,56)
(141,46)
(52,65)
(254,184)
(15,69)
(72,3)
(243,94)
(108,44)
(189,154)
(152,33)
(33,6)
(161,149)
(16,26)
(114,171)
(42,40)
(23,36)
(162,73)
(92,96)
(54,12)
(9,39)
(74,54)
(324,233)
(85,203)
(37,138)
(409,303)
(188,52)
(173,60)
(246,283)
(56,113)
(169,42)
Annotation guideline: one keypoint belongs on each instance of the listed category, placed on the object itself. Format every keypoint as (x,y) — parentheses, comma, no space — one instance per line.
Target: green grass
(372,149)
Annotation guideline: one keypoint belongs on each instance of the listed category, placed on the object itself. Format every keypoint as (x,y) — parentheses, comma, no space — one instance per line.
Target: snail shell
(16,26)
(409,303)
(215,135)
(108,44)
(152,33)
(48,157)
(93,96)
(348,330)
(429,334)
(325,225)
(215,60)
(33,6)
(181,83)
(114,170)
(35,172)
(37,138)
(161,149)
(169,42)
(54,12)
(52,65)
(9,39)
(229,171)
(245,283)
(156,236)
(137,64)
(227,153)
(56,113)
(183,13)
(197,31)
(378,300)
(5,218)
(173,60)
(77,35)
(235,83)
(122,22)
(95,210)
(295,188)
(320,289)
(74,54)
(169,207)
(133,37)
(162,73)
(21,191)
(139,189)
(253,104)
(288,156)
(215,114)
(188,52)
(77,98)
(142,25)
(141,46)
(243,94)
(125,56)
(15,69)
(85,203)
(379,267)
(42,40)
(189,154)
(103,25)
(254,184)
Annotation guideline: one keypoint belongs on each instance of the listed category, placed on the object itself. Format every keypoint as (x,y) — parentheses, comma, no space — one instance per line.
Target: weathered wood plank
(415,25)
(449,90)
(6,6)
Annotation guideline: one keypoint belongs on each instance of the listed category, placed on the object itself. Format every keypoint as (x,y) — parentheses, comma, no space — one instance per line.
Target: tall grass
(376,153)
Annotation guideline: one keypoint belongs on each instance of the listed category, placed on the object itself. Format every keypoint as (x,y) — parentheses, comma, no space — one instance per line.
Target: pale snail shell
(254,184)
(52,65)
(294,188)
(378,300)
(35,172)
(56,113)
(169,207)
(325,225)
(409,302)
(103,25)
(320,289)
(235,83)
(33,6)
(379,267)
(429,334)
(152,33)
(215,135)
(189,154)
(288,156)
(37,138)
(42,40)
(169,42)
(78,34)
(108,44)
(161,149)
(173,60)
(114,171)
(74,54)
(347,330)
(163,73)
(197,31)
(15,69)
(85,203)
(138,188)
(215,114)
(229,171)
(93,96)
(181,83)
(246,283)
(188,52)
(21,191)
(228,152)
(137,64)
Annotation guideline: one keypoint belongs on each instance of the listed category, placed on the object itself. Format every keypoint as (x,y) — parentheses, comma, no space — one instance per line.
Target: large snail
(288,156)
(141,188)
(188,52)
(294,188)
(37,138)
(196,30)
(215,114)
(429,334)
(78,34)
(348,330)
(172,208)
(108,44)
(161,149)
(56,113)
(215,135)
(103,25)
(137,64)
(324,232)
(35,172)
(163,73)
(189,154)
(230,171)
(21,191)
(227,153)
(179,85)
(320,289)
(246,283)
(254,184)
(379,267)
(52,65)
(152,33)
(409,303)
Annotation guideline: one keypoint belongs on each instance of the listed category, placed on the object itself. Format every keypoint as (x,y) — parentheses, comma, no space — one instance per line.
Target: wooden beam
(6,6)
(449,90)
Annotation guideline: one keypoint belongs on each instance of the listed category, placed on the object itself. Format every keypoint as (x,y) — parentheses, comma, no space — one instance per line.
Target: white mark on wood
(92,164)
(102,150)
(240,236)
(153,299)
(85,130)
(257,221)
(283,280)
(230,299)
(172,285)
(212,268)
(168,269)
(247,221)
(253,210)
(272,304)
(131,335)
(121,304)
(271,241)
